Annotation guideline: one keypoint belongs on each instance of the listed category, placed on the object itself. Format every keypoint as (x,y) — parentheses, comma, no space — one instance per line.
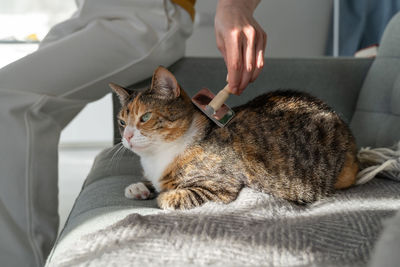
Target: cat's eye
(122,123)
(145,117)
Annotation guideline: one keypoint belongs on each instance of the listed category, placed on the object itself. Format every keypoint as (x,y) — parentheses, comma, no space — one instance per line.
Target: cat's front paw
(178,199)
(137,191)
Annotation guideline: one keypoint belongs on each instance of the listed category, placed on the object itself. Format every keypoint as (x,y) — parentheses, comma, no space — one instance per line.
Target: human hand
(241,40)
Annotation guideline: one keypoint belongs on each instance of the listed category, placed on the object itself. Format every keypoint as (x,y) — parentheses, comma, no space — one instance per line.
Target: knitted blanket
(255,230)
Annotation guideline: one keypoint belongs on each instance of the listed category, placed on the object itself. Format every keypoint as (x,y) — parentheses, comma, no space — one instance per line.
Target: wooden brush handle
(220,98)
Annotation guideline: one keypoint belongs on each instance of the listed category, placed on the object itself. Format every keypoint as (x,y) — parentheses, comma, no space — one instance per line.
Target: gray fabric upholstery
(119,163)
(387,121)
(376,121)
(387,249)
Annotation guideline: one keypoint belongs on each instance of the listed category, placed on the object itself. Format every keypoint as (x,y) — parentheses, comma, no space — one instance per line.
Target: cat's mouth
(135,147)
(139,147)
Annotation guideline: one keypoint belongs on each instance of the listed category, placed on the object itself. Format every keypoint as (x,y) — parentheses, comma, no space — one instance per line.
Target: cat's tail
(383,161)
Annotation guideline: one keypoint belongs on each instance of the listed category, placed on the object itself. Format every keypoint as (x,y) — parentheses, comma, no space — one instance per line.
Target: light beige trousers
(105,41)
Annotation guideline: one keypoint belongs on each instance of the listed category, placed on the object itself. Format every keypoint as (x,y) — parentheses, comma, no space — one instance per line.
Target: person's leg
(106,41)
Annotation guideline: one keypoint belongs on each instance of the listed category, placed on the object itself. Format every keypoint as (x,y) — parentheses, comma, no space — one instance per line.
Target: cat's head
(151,119)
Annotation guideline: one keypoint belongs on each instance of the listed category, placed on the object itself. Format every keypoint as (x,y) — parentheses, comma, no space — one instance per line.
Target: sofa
(354,227)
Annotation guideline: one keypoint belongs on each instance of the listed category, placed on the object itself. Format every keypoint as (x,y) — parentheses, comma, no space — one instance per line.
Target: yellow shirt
(188,5)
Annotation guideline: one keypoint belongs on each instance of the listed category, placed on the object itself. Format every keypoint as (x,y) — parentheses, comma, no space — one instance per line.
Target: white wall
(19,18)
(93,126)
(294,28)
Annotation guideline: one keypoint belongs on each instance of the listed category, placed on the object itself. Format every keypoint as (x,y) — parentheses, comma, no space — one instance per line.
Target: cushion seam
(372,111)
(387,57)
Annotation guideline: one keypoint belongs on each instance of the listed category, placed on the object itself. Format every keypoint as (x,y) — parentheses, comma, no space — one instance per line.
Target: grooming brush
(213,105)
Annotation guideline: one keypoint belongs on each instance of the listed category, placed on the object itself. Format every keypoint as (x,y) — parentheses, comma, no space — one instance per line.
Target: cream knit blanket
(254,230)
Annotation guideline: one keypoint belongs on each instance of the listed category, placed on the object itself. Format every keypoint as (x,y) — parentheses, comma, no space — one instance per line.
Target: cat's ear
(123,94)
(164,84)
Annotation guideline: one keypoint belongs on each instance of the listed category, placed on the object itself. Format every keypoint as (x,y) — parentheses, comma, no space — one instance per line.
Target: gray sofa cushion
(376,121)
(386,252)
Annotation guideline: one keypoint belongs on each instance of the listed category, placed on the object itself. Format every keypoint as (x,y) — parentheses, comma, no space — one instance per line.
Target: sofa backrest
(376,121)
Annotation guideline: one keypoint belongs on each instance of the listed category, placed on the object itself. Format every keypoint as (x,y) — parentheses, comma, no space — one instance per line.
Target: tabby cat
(285,143)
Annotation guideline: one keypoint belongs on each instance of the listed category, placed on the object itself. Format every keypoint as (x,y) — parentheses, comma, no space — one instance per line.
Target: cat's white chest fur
(154,164)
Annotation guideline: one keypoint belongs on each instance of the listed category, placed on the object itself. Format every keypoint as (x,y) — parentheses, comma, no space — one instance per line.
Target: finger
(250,52)
(260,48)
(223,52)
(249,58)
(221,46)
(234,47)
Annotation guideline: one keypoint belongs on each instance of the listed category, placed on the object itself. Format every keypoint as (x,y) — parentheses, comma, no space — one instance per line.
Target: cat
(285,143)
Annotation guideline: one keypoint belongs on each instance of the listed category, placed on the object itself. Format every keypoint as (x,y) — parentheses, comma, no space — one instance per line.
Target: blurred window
(23,23)
(22,20)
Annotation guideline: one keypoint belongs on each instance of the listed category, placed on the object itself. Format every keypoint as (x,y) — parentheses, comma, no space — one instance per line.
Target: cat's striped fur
(285,143)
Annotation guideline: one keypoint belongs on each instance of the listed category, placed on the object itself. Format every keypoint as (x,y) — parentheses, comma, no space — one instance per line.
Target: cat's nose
(128,136)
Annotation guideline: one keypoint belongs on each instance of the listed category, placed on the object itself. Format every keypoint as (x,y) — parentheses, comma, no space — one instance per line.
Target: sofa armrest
(335,80)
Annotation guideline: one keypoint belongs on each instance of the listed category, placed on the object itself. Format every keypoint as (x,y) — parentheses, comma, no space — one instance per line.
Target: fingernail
(260,60)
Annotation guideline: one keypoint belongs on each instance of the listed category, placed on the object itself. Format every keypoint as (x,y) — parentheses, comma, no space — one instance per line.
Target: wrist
(250,5)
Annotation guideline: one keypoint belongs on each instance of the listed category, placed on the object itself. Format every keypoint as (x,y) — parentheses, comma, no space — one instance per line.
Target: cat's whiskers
(115,155)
